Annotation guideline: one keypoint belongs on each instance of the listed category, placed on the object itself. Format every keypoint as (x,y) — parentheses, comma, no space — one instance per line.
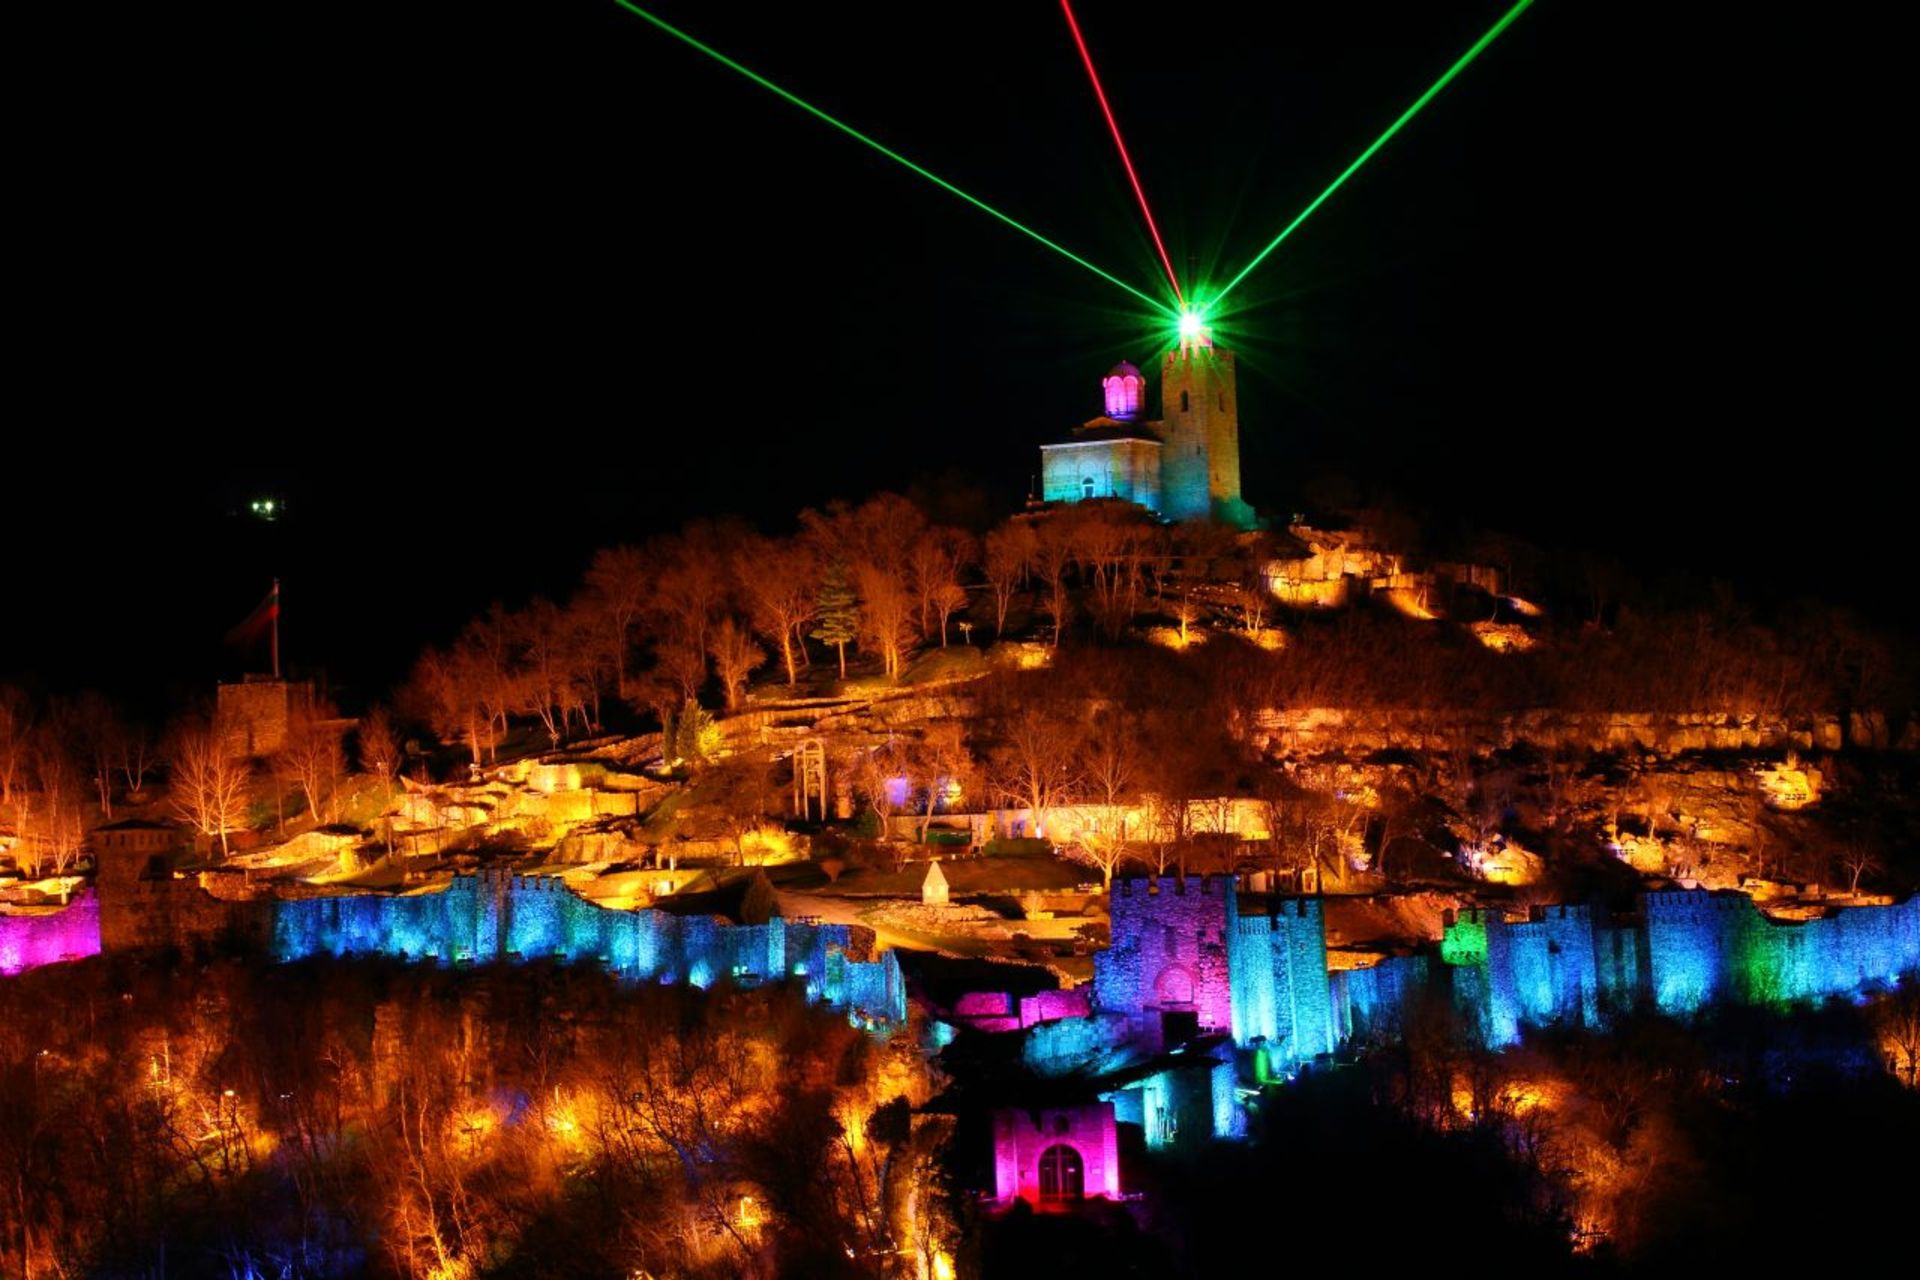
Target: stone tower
(1200,412)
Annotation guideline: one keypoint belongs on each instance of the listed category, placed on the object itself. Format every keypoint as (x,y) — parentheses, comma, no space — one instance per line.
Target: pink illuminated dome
(1126,391)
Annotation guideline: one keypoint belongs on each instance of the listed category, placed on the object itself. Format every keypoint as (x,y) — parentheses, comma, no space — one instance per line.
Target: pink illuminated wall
(1051,1006)
(1028,1151)
(999,1011)
(27,942)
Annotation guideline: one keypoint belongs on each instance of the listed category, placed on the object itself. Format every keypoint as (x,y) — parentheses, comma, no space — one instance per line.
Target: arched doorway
(1179,1020)
(1062,1176)
(1175,985)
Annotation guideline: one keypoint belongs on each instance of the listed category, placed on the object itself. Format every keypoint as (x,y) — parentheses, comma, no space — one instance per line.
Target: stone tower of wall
(255,713)
(1200,413)
(1169,953)
(1540,970)
(1281,990)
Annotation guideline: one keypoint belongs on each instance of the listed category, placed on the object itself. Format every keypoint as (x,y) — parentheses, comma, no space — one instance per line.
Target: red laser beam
(1152,228)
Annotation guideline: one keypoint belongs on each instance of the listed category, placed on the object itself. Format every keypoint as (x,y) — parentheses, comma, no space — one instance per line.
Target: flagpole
(276,628)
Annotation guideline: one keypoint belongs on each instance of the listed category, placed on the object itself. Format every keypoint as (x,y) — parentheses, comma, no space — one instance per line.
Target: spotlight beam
(1125,160)
(1380,142)
(892,155)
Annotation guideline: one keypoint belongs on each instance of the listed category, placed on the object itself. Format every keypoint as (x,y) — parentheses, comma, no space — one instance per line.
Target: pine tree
(760,904)
(838,611)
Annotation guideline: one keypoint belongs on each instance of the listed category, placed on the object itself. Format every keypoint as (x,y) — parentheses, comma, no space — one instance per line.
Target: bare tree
(1035,764)
(1250,602)
(777,579)
(938,560)
(1113,757)
(1186,611)
(885,608)
(742,790)
(207,782)
(16,726)
(883,775)
(942,767)
(1052,557)
(1897,1015)
(1100,845)
(1856,859)
(311,756)
(682,663)
(694,578)
(96,732)
(49,812)
(380,755)
(135,754)
(555,670)
(735,657)
(1109,540)
(618,581)
(1009,553)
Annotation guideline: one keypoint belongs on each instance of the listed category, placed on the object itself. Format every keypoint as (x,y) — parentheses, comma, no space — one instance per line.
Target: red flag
(257,623)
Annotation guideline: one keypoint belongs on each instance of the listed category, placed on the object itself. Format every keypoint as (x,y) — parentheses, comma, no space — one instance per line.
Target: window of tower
(1184,406)
(1123,396)
(1223,402)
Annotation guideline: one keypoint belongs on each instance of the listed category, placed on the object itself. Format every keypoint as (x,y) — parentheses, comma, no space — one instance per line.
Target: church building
(1184,465)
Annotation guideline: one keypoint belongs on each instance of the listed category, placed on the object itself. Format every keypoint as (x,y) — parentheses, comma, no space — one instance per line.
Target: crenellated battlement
(1141,887)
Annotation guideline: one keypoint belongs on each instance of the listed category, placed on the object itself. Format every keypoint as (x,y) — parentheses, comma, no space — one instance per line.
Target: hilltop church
(1184,465)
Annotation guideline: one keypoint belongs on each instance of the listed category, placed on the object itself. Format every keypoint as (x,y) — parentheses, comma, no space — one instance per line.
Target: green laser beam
(895,156)
(1378,142)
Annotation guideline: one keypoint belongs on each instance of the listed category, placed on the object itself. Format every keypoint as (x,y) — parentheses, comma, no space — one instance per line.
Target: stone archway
(1063,1174)
(1174,986)
(1173,993)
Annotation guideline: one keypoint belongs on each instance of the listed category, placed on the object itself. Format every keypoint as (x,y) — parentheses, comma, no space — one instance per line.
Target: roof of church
(1095,430)
(1124,368)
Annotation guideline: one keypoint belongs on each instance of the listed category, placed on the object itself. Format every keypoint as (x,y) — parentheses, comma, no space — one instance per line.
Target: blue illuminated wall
(1689,946)
(1373,1002)
(1706,946)
(1540,970)
(496,916)
(1281,991)
(1689,949)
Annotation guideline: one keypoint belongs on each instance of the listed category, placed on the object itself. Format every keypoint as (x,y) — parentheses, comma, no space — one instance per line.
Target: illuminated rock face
(27,942)
(1055,1156)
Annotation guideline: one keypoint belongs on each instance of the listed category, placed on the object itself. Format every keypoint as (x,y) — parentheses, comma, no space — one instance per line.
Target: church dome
(1125,391)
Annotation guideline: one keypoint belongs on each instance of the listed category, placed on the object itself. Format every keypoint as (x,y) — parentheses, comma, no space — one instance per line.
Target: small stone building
(933,890)
(136,840)
(1056,1157)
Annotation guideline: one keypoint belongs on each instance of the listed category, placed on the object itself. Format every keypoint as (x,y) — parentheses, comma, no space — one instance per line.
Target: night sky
(477,288)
